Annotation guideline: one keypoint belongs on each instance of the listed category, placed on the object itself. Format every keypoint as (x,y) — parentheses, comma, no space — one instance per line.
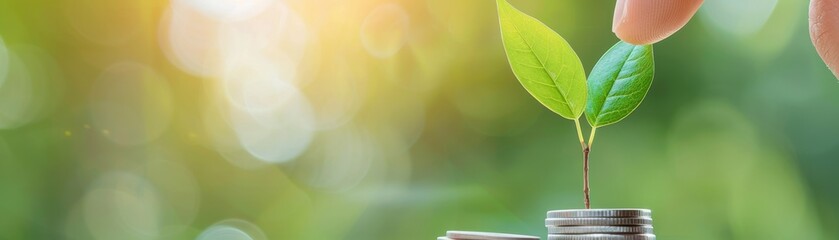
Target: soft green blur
(396,120)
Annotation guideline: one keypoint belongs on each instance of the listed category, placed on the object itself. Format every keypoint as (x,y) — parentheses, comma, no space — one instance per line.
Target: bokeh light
(227,10)
(762,28)
(232,229)
(382,119)
(32,88)
(278,125)
(276,33)
(344,158)
(17,94)
(190,40)
(122,205)
(4,62)
(336,95)
(177,190)
(224,232)
(385,30)
(741,18)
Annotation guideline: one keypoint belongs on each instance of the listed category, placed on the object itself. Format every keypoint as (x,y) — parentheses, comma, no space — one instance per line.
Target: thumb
(824,31)
(649,21)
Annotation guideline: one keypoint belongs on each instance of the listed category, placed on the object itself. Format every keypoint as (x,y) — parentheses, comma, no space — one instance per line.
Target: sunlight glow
(385,30)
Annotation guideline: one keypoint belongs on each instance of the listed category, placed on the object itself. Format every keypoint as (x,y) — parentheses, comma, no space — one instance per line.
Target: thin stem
(580,133)
(586,189)
(586,149)
(586,152)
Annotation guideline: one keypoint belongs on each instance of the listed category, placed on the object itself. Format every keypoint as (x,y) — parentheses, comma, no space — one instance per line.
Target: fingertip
(824,21)
(619,10)
(649,21)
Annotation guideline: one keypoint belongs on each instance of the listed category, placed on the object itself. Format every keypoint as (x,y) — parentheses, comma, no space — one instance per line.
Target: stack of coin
(466,235)
(600,224)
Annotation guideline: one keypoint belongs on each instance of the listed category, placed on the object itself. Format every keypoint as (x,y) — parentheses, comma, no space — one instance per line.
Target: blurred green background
(395,119)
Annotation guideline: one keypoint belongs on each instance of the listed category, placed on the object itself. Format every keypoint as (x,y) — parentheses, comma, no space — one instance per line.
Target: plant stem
(591,137)
(586,149)
(580,133)
(586,189)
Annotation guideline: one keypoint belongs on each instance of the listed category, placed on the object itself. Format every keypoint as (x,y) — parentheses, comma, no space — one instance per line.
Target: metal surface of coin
(600,213)
(603,237)
(598,221)
(599,229)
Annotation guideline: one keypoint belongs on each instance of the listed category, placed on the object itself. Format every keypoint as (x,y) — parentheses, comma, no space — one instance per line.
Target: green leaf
(543,62)
(618,83)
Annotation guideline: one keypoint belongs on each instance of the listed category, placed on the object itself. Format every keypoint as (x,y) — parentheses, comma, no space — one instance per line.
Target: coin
(603,237)
(599,213)
(599,229)
(598,221)
(487,236)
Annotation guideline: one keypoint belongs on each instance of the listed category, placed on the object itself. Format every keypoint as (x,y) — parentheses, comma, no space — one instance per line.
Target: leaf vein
(612,85)
(536,55)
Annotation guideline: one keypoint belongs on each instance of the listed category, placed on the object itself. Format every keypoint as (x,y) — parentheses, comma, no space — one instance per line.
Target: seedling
(550,70)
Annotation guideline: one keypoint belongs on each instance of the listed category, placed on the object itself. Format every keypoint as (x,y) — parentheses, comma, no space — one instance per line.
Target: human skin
(649,21)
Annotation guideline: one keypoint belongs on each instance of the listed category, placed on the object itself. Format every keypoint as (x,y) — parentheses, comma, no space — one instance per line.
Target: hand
(650,21)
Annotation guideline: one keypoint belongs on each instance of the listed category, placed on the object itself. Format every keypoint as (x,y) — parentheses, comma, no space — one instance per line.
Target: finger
(649,21)
(824,31)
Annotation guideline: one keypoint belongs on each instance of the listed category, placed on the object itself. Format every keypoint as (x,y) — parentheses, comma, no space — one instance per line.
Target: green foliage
(543,62)
(550,70)
(618,83)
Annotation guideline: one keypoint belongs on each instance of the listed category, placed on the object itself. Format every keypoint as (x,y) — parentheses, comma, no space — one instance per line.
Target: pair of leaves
(550,70)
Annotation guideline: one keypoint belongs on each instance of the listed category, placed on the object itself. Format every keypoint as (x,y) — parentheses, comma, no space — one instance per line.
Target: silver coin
(598,221)
(599,229)
(600,213)
(603,237)
(444,238)
(487,236)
